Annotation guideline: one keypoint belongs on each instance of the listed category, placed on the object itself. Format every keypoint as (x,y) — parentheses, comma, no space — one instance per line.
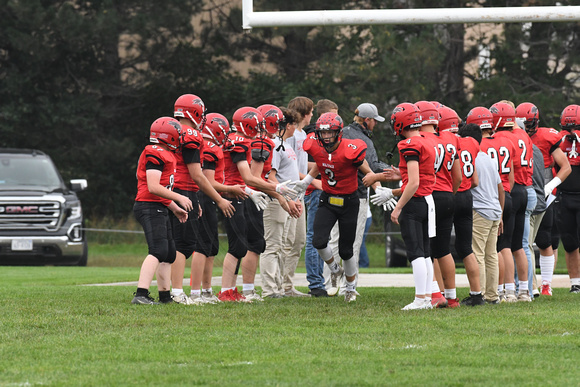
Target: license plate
(21,244)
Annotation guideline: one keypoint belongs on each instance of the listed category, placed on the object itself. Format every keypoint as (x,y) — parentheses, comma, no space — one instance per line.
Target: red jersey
(548,140)
(155,157)
(502,151)
(262,151)
(447,152)
(571,149)
(524,157)
(213,158)
(238,149)
(423,150)
(467,154)
(338,169)
(190,152)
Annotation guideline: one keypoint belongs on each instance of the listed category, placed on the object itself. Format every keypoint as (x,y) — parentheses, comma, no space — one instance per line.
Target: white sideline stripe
(364,281)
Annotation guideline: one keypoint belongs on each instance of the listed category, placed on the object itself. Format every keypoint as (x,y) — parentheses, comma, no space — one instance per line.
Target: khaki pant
(294,241)
(275,218)
(535,221)
(484,242)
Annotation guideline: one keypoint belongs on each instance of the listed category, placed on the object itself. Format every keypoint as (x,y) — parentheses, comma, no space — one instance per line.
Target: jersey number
(504,168)
(467,161)
(330,177)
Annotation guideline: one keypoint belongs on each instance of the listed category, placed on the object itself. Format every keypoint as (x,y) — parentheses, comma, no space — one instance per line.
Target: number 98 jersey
(339,168)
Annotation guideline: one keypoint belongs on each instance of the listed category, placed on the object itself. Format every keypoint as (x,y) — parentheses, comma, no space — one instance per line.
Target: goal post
(252,19)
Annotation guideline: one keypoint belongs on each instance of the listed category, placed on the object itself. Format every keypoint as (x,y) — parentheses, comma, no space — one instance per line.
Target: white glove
(286,191)
(381,196)
(260,199)
(300,186)
(390,205)
(548,188)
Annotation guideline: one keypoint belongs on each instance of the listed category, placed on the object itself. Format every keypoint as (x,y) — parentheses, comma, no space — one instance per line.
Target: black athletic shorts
(519,204)
(207,242)
(154,219)
(568,220)
(245,229)
(333,208)
(463,222)
(415,228)
(184,234)
(544,235)
(504,240)
(444,209)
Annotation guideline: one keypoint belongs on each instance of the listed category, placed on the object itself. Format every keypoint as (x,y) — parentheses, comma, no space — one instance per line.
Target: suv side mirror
(78,185)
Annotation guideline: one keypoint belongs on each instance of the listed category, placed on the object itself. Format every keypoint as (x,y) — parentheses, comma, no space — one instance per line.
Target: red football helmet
(165,130)
(272,117)
(437,104)
(248,120)
(504,115)
(190,106)
(329,122)
(480,116)
(531,115)
(405,116)
(428,112)
(570,118)
(216,128)
(449,120)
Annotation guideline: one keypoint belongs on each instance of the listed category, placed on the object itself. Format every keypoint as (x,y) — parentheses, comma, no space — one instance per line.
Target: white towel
(431,215)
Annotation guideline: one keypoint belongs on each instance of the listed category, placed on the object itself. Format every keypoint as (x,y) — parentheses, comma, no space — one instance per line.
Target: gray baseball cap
(368,110)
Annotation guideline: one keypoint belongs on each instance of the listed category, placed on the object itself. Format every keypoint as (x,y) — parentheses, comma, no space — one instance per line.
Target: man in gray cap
(365,118)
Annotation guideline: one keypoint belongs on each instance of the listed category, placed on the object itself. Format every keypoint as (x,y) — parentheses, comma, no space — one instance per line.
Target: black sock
(164,296)
(141,292)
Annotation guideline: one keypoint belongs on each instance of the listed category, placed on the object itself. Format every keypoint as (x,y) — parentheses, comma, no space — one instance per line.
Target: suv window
(16,172)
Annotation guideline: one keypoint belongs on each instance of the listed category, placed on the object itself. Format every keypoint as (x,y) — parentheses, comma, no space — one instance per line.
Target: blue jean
(532,201)
(363,260)
(314,264)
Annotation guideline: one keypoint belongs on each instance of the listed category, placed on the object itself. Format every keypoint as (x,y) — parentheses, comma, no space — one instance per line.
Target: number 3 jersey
(423,150)
(155,157)
(338,168)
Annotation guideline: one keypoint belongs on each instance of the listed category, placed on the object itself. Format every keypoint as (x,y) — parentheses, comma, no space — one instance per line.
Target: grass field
(53,331)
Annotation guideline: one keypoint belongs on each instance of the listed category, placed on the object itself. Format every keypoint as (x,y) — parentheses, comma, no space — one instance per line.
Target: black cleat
(473,300)
(318,292)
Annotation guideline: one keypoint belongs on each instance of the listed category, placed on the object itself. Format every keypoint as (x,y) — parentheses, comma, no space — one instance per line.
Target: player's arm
(154,186)
(410,189)
(456,175)
(474,178)
(203,183)
(511,175)
(235,190)
(253,180)
(562,161)
(366,169)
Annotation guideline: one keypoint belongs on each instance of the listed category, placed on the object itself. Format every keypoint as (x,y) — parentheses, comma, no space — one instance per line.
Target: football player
(155,176)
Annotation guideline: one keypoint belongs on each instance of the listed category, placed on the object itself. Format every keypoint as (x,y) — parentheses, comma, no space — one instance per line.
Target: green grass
(55,332)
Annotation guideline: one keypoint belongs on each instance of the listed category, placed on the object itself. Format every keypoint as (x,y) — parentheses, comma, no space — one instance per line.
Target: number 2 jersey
(423,150)
(155,157)
(338,168)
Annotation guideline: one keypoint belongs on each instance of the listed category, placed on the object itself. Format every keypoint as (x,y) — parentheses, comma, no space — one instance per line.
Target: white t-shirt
(297,143)
(485,195)
(284,162)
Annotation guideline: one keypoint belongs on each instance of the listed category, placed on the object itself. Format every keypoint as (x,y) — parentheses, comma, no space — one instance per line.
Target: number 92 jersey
(339,168)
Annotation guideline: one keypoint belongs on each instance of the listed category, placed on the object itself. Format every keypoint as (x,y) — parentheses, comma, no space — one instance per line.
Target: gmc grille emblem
(19,210)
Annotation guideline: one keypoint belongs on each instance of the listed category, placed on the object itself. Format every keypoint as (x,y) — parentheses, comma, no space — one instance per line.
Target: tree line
(83,81)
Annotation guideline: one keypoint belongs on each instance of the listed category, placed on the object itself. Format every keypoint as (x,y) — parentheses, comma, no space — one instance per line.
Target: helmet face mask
(216,128)
(531,115)
(273,116)
(570,118)
(191,107)
(166,130)
(329,130)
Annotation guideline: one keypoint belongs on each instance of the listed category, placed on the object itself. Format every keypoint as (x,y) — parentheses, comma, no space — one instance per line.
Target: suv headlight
(75,211)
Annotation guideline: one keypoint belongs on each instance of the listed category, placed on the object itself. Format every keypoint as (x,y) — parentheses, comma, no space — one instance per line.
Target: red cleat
(438,301)
(453,303)
(227,296)
(239,297)
(546,289)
